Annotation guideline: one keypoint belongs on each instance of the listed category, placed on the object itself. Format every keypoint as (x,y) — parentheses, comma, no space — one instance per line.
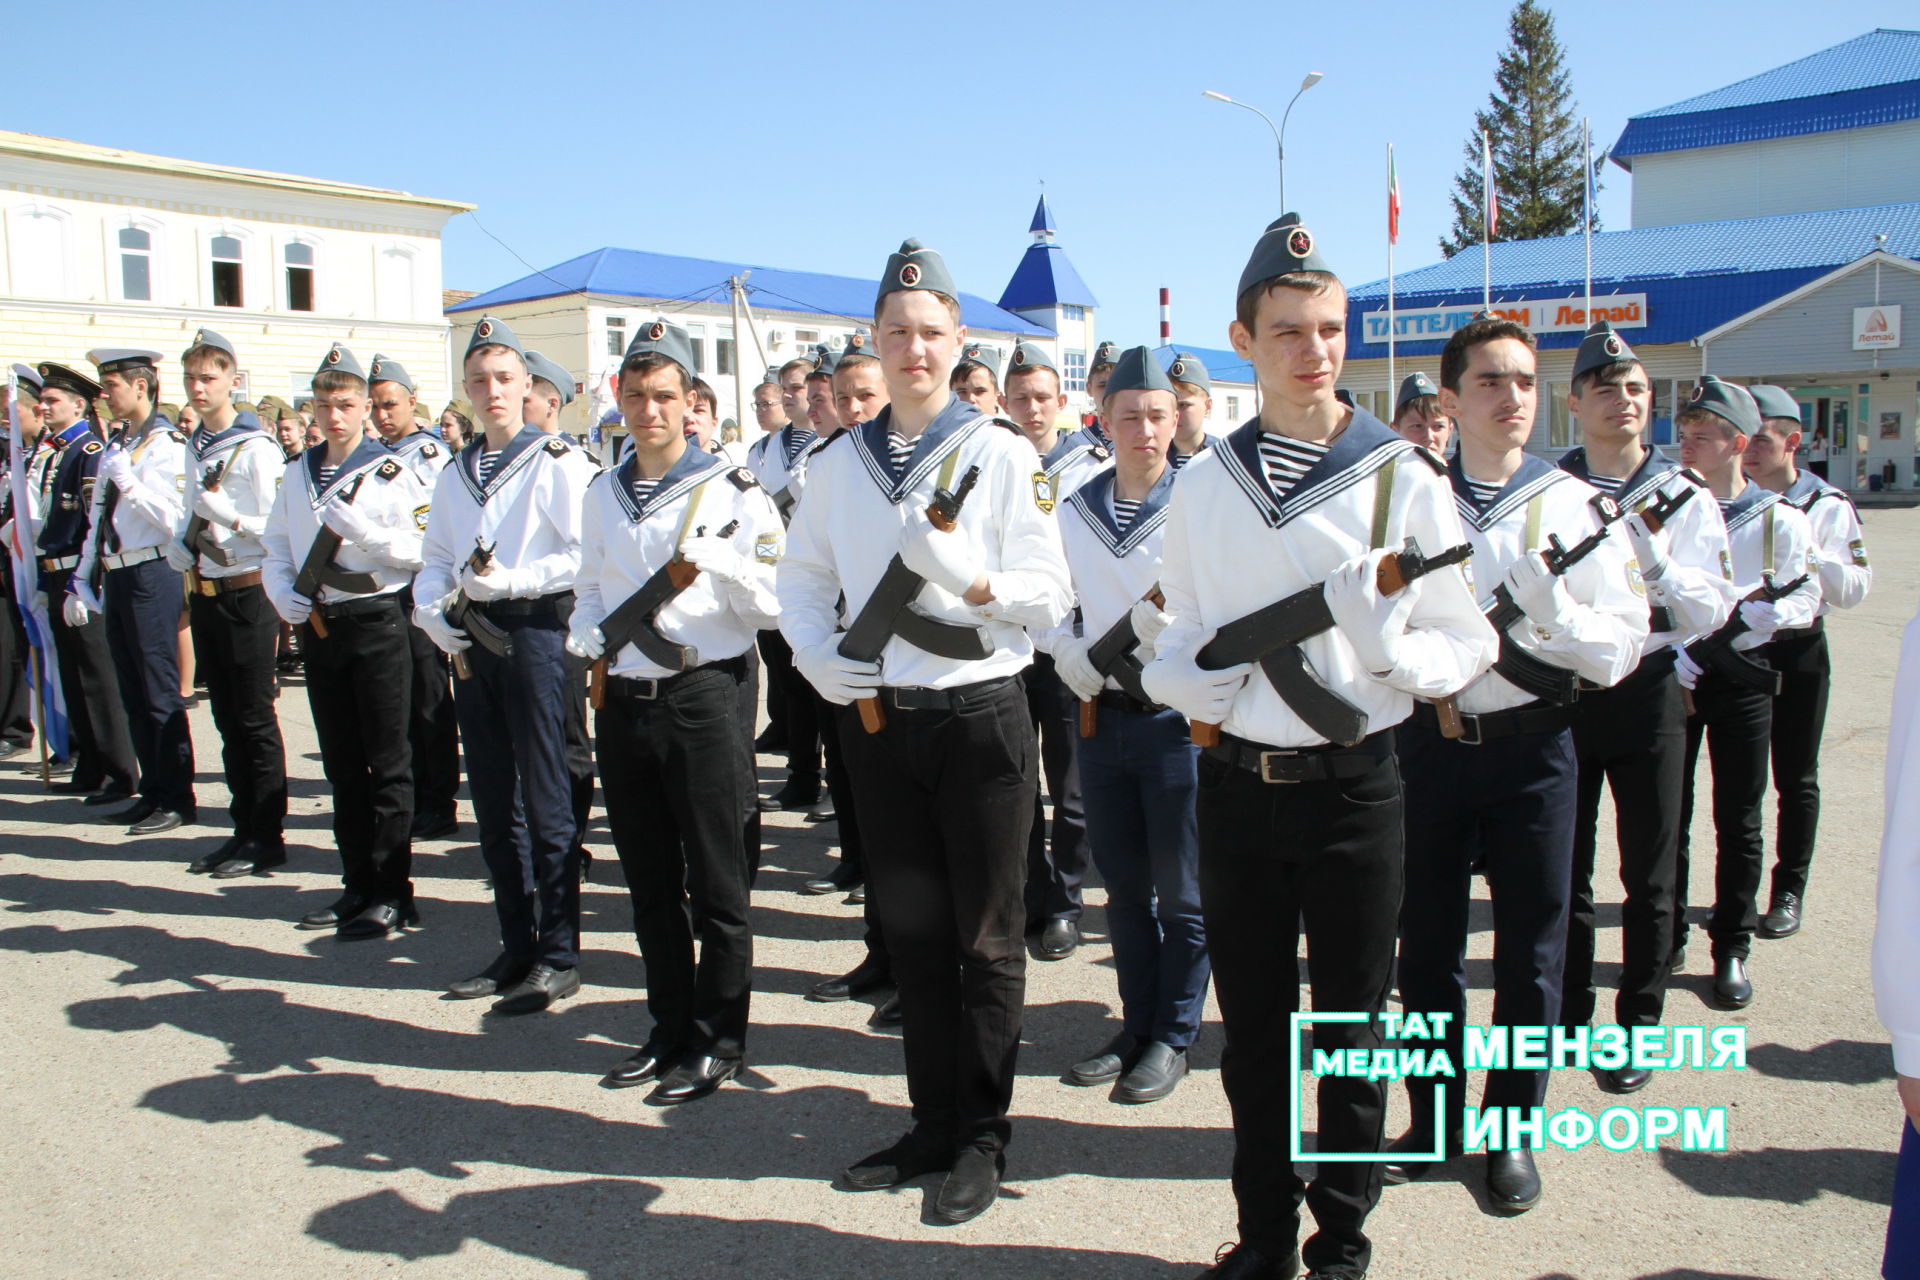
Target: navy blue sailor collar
(793,440)
(1747,504)
(1808,488)
(1367,445)
(418,440)
(518,452)
(1069,446)
(949,429)
(1654,467)
(691,468)
(245,425)
(1532,476)
(369,453)
(1093,500)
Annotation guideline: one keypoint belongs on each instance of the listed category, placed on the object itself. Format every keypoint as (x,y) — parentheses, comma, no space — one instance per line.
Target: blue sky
(817,137)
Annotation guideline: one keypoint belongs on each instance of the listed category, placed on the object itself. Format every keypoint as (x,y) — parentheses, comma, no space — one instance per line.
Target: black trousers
(513,731)
(1799,720)
(96,717)
(361,704)
(1328,853)
(1736,725)
(793,710)
(579,750)
(1631,737)
(235,640)
(749,773)
(947,796)
(16,706)
(143,604)
(1056,866)
(853,850)
(672,770)
(1512,799)
(433,733)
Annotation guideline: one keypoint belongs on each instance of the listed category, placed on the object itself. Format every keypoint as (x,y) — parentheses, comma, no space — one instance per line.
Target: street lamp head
(1313,78)
(1217,97)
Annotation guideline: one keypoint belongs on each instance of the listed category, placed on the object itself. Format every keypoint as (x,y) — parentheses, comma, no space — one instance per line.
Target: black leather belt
(1654,667)
(1303,764)
(915,698)
(1801,633)
(528,607)
(1494,725)
(358,605)
(1118,700)
(650,689)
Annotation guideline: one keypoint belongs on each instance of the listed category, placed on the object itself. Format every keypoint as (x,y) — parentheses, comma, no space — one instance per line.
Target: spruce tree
(1535,138)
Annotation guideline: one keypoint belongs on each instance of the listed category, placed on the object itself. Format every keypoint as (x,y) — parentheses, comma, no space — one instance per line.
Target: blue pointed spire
(1042,227)
(1045,279)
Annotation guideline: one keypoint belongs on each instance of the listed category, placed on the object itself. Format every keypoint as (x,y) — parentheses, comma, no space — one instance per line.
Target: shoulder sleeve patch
(1604,507)
(429,450)
(557,447)
(388,469)
(92,447)
(1432,459)
(177,437)
(420,515)
(742,479)
(1099,453)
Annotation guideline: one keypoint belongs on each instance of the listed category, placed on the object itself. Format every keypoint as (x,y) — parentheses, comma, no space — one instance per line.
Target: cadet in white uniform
(1310,496)
(513,494)
(946,788)
(366,508)
(1800,712)
(1767,535)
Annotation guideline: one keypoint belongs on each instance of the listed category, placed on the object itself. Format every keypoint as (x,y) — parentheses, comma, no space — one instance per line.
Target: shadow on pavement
(1786,1175)
(1835,1062)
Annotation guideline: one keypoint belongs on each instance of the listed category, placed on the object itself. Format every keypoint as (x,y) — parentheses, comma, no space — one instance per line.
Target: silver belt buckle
(1266,766)
(1470,731)
(653,688)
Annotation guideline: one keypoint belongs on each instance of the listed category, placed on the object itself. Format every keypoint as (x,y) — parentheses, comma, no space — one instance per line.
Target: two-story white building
(103,247)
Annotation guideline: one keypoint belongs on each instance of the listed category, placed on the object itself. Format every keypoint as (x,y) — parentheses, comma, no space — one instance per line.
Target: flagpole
(1586,208)
(1486,221)
(1393,216)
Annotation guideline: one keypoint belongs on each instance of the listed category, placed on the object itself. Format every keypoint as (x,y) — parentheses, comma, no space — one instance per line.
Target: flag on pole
(48,703)
(1493,197)
(1393,199)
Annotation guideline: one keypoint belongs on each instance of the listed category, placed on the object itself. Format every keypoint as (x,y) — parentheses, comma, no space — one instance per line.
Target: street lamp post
(1279,130)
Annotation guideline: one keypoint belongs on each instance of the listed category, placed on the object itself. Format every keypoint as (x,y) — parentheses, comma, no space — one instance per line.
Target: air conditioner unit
(776,337)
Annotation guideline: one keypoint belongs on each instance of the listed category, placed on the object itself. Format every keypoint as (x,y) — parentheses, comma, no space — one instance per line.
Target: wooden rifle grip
(1089,718)
(1447,710)
(872,717)
(316,622)
(1686,700)
(597,683)
(1204,734)
(940,520)
(1389,580)
(461,667)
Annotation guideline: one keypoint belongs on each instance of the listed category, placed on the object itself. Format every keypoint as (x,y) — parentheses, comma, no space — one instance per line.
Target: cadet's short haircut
(857,359)
(824,375)
(769,386)
(798,362)
(646,362)
(1426,406)
(1694,417)
(144,373)
(1781,428)
(1191,389)
(951,304)
(205,354)
(1033,371)
(328,381)
(539,382)
(1477,333)
(701,391)
(1247,309)
(965,367)
(1607,375)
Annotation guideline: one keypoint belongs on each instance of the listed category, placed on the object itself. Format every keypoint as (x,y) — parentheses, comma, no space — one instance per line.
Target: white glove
(497,583)
(1196,694)
(1149,620)
(1372,623)
(1075,669)
(179,559)
(1653,562)
(1540,592)
(947,560)
(216,506)
(838,679)
(298,610)
(117,467)
(432,619)
(346,520)
(80,587)
(1685,669)
(715,556)
(587,641)
(75,611)
(1762,616)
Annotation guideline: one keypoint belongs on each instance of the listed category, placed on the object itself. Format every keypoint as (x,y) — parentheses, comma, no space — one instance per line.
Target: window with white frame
(616,335)
(1074,367)
(1069,311)
(228,287)
(1233,408)
(299,258)
(806,337)
(698,333)
(136,264)
(394,294)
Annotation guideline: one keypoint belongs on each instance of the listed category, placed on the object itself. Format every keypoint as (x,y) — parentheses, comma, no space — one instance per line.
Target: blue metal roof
(1696,275)
(632,273)
(1045,278)
(1871,79)
(1042,218)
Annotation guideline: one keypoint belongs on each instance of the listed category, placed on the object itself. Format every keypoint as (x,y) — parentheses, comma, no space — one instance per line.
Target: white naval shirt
(1073,460)
(149,512)
(1231,549)
(425,454)
(767,457)
(1896,935)
(528,513)
(1838,541)
(255,467)
(1759,520)
(846,531)
(1112,567)
(623,541)
(389,496)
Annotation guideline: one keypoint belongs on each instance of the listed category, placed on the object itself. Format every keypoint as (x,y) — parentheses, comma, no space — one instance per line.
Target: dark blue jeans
(1137,776)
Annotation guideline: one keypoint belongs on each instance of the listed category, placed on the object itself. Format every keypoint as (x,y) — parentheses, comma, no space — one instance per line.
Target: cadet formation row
(1299,672)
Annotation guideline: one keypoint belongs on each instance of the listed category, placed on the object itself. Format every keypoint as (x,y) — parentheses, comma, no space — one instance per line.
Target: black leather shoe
(1512,1180)
(857,897)
(1106,1066)
(119,795)
(694,1078)
(503,974)
(1625,1079)
(867,977)
(972,1187)
(251,858)
(156,822)
(792,796)
(1060,939)
(544,985)
(823,810)
(379,920)
(586,864)
(904,1161)
(1783,917)
(1244,1262)
(434,826)
(1677,963)
(841,879)
(889,1014)
(344,908)
(647,1063)
(1154,1076)
(84,787)
(214,857)
(1732,989)
(139,811)
(1396,1172)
